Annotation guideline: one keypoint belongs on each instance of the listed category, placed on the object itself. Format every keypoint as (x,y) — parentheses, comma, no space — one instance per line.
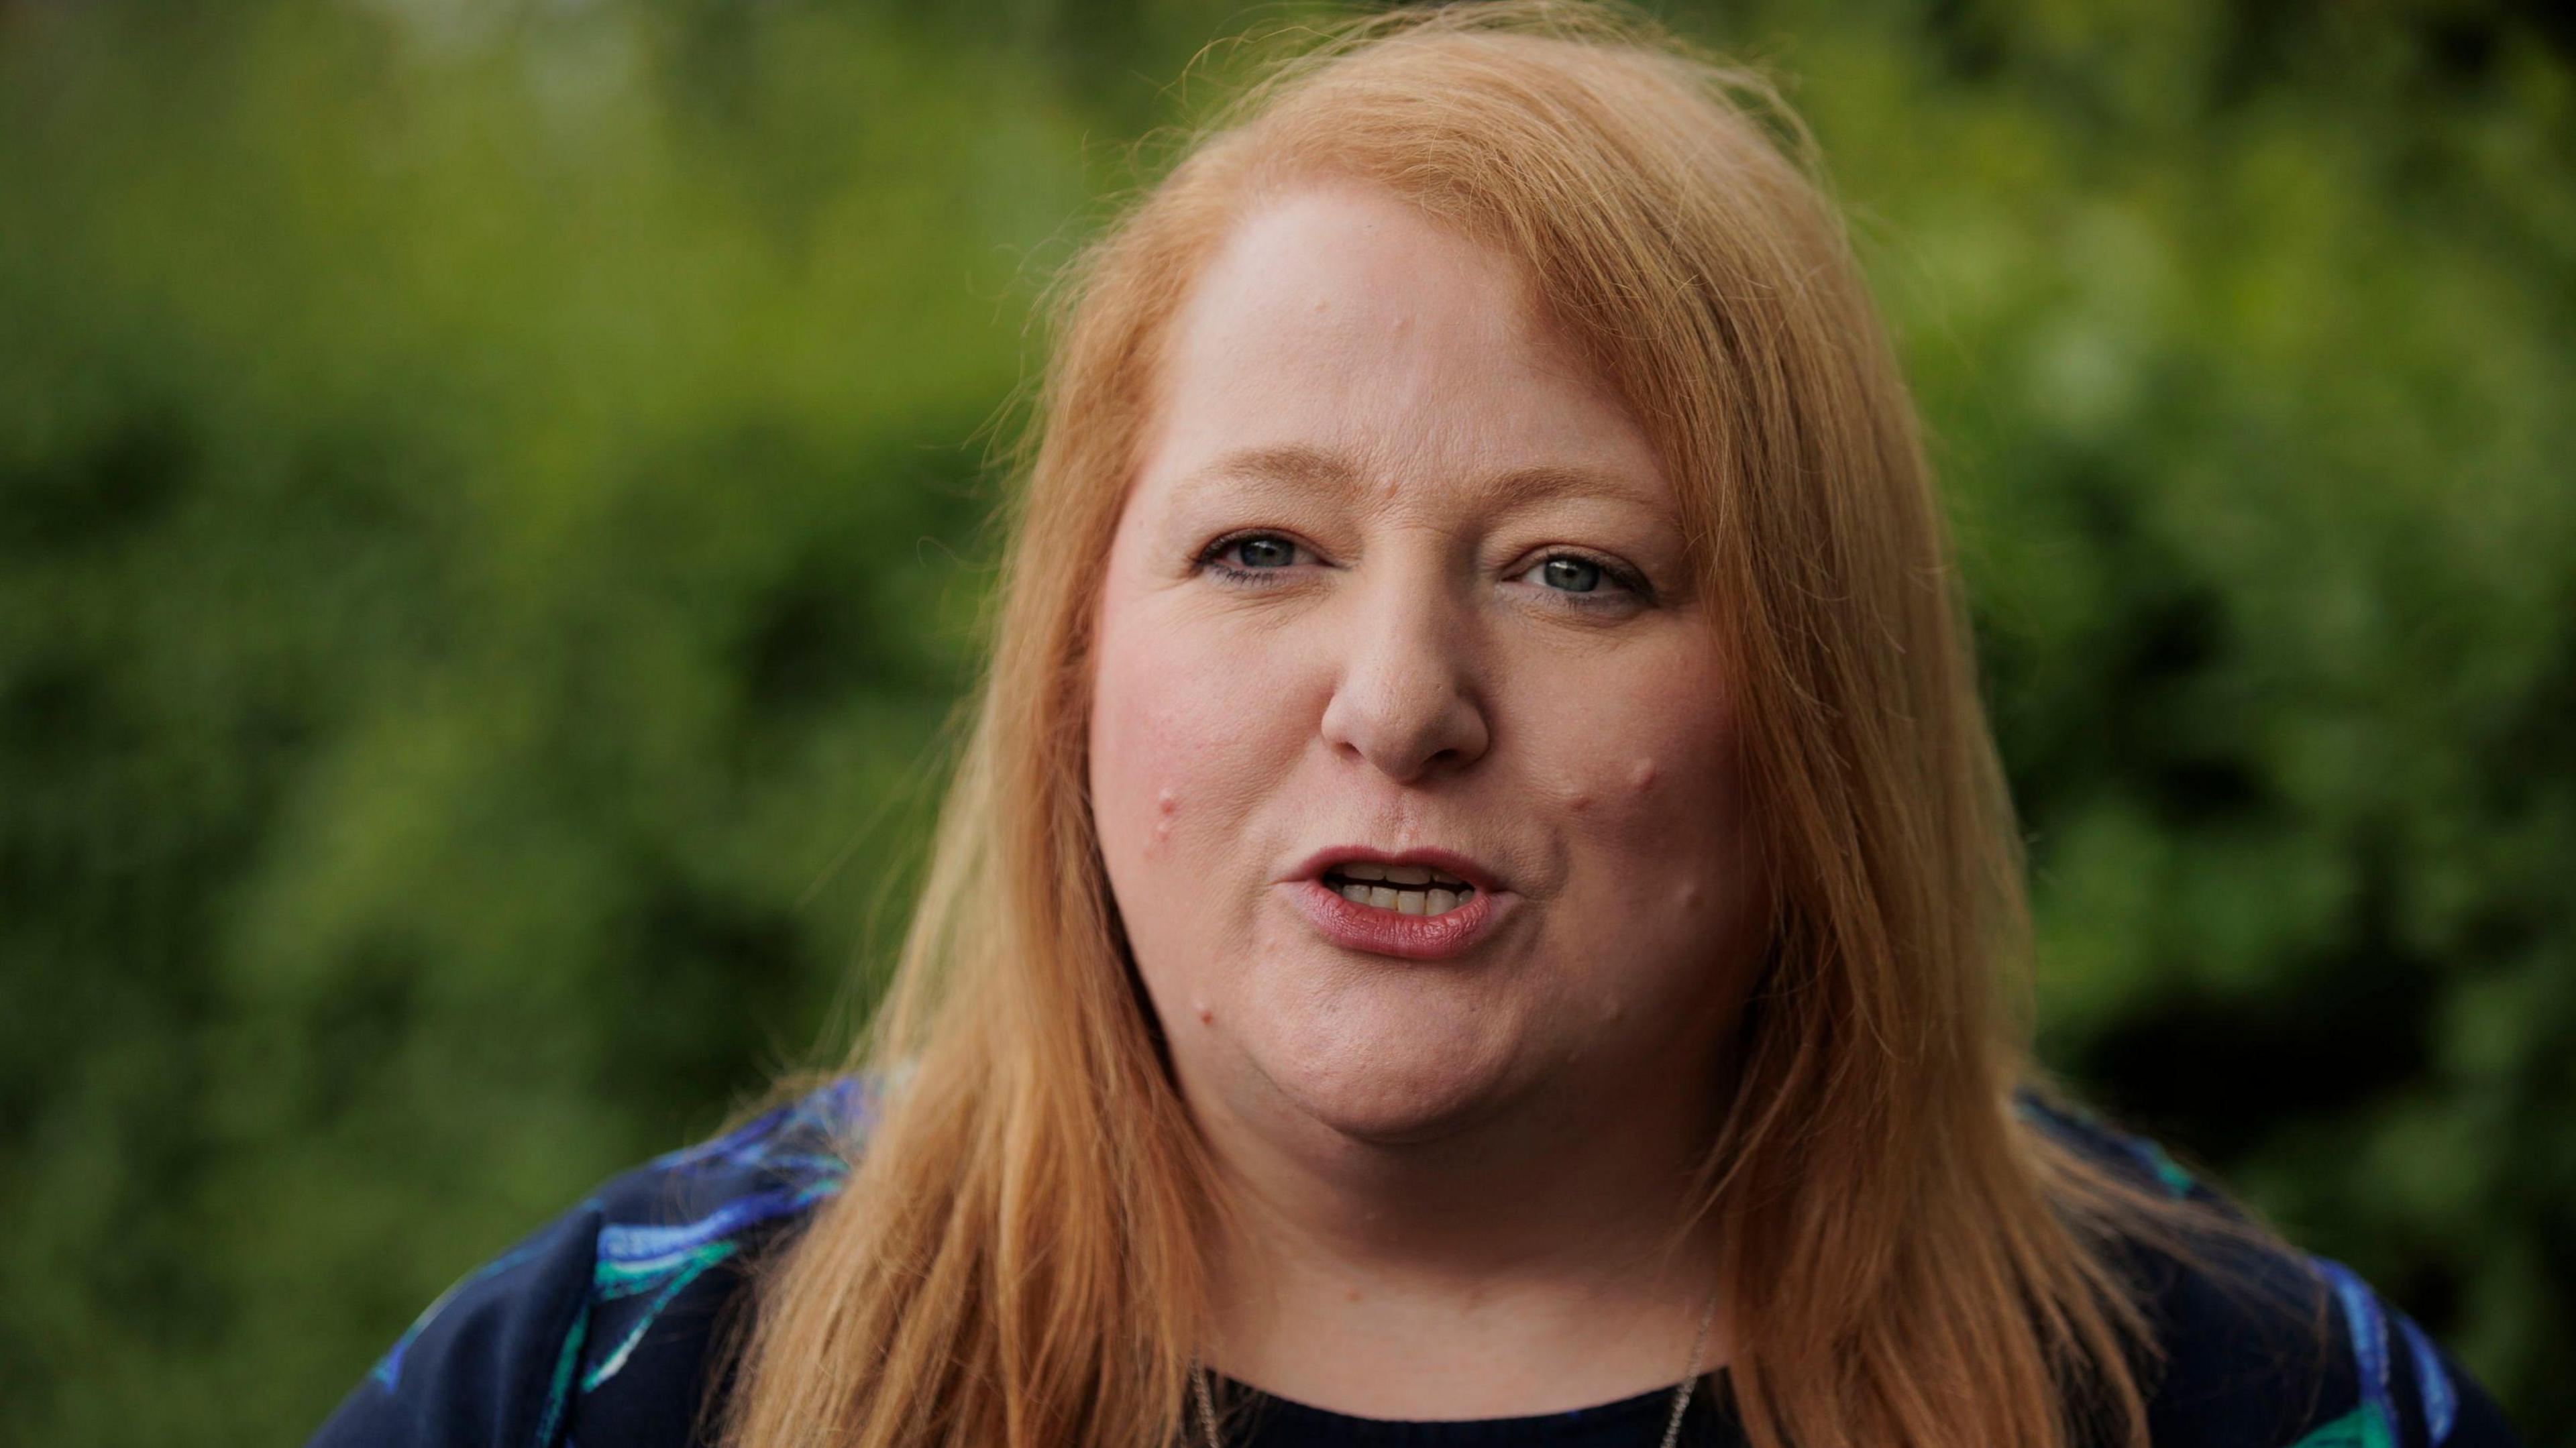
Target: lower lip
(1355,926)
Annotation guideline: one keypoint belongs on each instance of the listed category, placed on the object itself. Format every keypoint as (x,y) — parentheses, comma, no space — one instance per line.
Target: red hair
(1019,1256)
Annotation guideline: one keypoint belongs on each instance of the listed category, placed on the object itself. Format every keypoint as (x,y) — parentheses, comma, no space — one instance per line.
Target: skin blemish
(1207,1014)
(1642,778)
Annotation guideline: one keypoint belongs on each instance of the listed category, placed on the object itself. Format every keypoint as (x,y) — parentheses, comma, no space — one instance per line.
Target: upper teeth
(1401,874)
(1399,887)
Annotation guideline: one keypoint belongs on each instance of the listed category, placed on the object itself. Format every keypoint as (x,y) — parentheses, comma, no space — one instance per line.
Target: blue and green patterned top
(608,1327)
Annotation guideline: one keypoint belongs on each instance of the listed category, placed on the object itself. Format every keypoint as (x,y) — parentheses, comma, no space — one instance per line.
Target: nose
(1406,699)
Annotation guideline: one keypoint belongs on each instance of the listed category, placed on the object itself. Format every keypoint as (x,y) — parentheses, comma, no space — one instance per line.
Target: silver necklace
(1672,1423)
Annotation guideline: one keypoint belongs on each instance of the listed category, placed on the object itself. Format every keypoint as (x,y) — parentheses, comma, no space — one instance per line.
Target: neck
(1529,1263)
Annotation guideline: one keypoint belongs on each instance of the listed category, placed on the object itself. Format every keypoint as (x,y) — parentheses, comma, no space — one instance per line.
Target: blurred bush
(491,519)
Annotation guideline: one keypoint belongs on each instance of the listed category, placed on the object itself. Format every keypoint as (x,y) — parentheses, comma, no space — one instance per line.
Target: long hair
(1019,1257)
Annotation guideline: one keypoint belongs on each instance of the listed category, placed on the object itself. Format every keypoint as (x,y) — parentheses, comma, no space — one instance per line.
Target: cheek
(1147,746)
(1652,797)
(1177,756)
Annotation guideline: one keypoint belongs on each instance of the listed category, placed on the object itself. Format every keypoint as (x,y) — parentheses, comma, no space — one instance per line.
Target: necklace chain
(1672,1423)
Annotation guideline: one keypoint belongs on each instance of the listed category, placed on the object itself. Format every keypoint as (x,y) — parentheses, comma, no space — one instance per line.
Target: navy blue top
(605,1326)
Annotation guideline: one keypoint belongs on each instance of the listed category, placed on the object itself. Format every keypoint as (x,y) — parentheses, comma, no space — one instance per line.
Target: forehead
(1338,321)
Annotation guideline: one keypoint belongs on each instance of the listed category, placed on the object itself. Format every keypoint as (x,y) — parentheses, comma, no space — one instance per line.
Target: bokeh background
(492,523)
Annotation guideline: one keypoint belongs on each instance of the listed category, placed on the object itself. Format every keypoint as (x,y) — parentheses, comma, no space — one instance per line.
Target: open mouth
(1404,889)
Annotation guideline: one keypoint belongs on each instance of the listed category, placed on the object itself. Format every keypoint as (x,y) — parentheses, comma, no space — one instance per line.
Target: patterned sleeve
(2408,1392)
(483,1363)
(2277,1347)
(601,1326)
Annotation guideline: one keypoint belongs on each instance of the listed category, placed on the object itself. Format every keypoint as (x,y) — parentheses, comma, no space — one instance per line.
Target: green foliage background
(491,508)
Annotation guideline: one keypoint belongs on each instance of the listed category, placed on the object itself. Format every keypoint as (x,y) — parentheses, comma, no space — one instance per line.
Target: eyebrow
(1318,470)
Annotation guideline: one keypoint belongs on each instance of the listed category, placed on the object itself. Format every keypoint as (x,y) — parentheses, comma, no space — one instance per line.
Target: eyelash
(1632,586)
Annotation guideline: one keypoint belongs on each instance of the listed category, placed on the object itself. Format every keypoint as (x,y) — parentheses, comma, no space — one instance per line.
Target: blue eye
(1264,551)
(1573,575)
(1262,555)
(1578,581)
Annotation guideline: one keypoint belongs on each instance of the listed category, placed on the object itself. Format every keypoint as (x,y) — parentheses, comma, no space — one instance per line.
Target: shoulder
(2263,1344)
(608,1314)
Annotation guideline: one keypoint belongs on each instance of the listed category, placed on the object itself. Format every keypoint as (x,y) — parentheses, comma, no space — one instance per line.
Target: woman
(1478,894)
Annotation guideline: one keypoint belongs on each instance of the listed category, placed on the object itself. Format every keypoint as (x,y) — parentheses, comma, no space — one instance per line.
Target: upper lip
(1446,861)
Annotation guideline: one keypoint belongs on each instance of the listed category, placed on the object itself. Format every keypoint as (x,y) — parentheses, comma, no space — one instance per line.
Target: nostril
(1406,732)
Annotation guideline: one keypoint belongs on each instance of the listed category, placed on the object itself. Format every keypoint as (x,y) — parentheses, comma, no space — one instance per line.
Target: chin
(1392,1081)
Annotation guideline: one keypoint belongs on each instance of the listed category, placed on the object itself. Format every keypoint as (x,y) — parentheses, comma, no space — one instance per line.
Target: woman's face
(1400,589)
